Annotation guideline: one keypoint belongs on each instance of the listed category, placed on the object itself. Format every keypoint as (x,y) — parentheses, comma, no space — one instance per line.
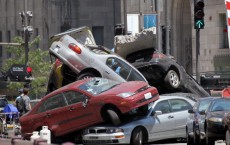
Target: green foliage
(39,62)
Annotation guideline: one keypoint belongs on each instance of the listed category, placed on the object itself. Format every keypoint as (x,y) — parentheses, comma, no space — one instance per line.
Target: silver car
(164,119)
(86,59)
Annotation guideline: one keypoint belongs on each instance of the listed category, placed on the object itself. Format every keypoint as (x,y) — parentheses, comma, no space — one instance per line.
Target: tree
(38,60)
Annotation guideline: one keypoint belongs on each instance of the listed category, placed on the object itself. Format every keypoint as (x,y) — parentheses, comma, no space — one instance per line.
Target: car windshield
(123,69)
(98,85)
(204,105)
(220,105)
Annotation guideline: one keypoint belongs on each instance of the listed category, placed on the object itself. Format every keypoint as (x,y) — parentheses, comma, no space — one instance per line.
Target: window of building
(8,40)
(223,32)
(0,45)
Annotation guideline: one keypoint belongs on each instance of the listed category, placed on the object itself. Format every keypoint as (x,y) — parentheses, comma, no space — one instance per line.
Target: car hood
(219,114)
(82,35)
(122,88)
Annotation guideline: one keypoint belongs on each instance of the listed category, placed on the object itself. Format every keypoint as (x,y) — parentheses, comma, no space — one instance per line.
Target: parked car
(18,73)
(195,130)
(85,103)
(226,122)
(3,102)
(165,119)
(81,58)
(163,71)
(213,122)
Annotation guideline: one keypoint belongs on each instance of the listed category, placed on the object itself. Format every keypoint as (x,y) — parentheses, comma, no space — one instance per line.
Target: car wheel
(227,137)
(209,140)
(86,75)
(137,137)
(172,80)
(196,138)
(113,116)
(189,139)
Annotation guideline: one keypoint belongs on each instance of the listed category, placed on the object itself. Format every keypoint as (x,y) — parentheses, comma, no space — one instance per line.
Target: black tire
(189,139)
(227,137)
(113,117)
(209,140)
(172,80)
(196,138)
(137,136)
(86,75)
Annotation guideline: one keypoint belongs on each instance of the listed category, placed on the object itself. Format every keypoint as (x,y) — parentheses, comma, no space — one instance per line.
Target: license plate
(148,96)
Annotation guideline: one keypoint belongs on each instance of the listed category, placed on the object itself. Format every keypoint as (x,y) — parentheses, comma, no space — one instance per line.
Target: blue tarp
(10,108)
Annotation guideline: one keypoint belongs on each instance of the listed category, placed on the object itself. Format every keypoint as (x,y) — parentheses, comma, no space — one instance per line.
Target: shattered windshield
(98,85)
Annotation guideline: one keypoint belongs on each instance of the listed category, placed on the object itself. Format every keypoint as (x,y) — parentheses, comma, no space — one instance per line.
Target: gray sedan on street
(163,119)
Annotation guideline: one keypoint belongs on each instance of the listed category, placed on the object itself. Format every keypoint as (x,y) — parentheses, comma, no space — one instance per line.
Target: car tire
(196,138)
(113,117)
(189,139)
(137,137)
(227,137)
(172,80)
(209,140)
(85,76)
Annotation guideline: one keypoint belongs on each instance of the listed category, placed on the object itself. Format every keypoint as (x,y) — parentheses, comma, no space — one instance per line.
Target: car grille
(142,89)
(99,142)
(96,131)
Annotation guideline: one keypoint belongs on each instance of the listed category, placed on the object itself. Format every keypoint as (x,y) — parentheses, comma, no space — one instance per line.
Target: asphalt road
(8,142)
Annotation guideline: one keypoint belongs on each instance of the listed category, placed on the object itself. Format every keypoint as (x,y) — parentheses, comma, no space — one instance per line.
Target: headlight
(126,94)
(115,130)
(215,119)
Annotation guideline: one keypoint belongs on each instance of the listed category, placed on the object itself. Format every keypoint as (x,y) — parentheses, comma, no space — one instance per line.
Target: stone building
(53,16)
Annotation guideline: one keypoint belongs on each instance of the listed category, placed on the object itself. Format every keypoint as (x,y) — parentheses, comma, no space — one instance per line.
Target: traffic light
(199,14)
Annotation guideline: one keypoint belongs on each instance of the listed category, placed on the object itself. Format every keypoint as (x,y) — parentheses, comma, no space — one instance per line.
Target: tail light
(75,48)
(159,55)
(29,70)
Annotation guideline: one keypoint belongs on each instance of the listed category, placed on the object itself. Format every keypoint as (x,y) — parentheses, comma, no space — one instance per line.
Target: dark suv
(17,73)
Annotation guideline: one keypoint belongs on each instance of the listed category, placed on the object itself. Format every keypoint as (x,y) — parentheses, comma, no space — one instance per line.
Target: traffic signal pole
(198,55)
(198,24)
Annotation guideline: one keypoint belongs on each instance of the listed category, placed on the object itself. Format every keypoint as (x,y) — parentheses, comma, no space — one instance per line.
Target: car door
(52,112)
(81,111)
(164,123)
(180,114)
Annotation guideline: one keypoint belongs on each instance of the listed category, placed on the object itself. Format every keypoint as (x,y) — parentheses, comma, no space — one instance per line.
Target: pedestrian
(23,102)
(20,91)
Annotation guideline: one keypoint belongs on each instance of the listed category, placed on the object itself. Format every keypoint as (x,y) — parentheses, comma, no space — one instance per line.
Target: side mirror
(85,102)
(190,111)
(156,113)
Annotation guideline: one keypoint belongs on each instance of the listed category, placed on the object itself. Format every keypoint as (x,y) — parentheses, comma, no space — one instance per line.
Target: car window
(73,97)
(123,69)
(53,102)
(179,105)
(3,102)
(220,105)
(203,106)
(163,106)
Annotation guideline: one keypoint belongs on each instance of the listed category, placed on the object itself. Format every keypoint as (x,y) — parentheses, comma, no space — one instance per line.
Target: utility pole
(27,30)
(159,34)
(167,25)
(125,15)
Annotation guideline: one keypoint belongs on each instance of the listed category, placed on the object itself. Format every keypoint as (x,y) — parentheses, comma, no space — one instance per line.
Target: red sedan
(85,103)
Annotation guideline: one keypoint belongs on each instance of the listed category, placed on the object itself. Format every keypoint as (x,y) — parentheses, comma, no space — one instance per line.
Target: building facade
(53,16)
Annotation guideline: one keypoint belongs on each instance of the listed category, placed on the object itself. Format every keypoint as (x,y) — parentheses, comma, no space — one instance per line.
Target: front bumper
(104,138)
